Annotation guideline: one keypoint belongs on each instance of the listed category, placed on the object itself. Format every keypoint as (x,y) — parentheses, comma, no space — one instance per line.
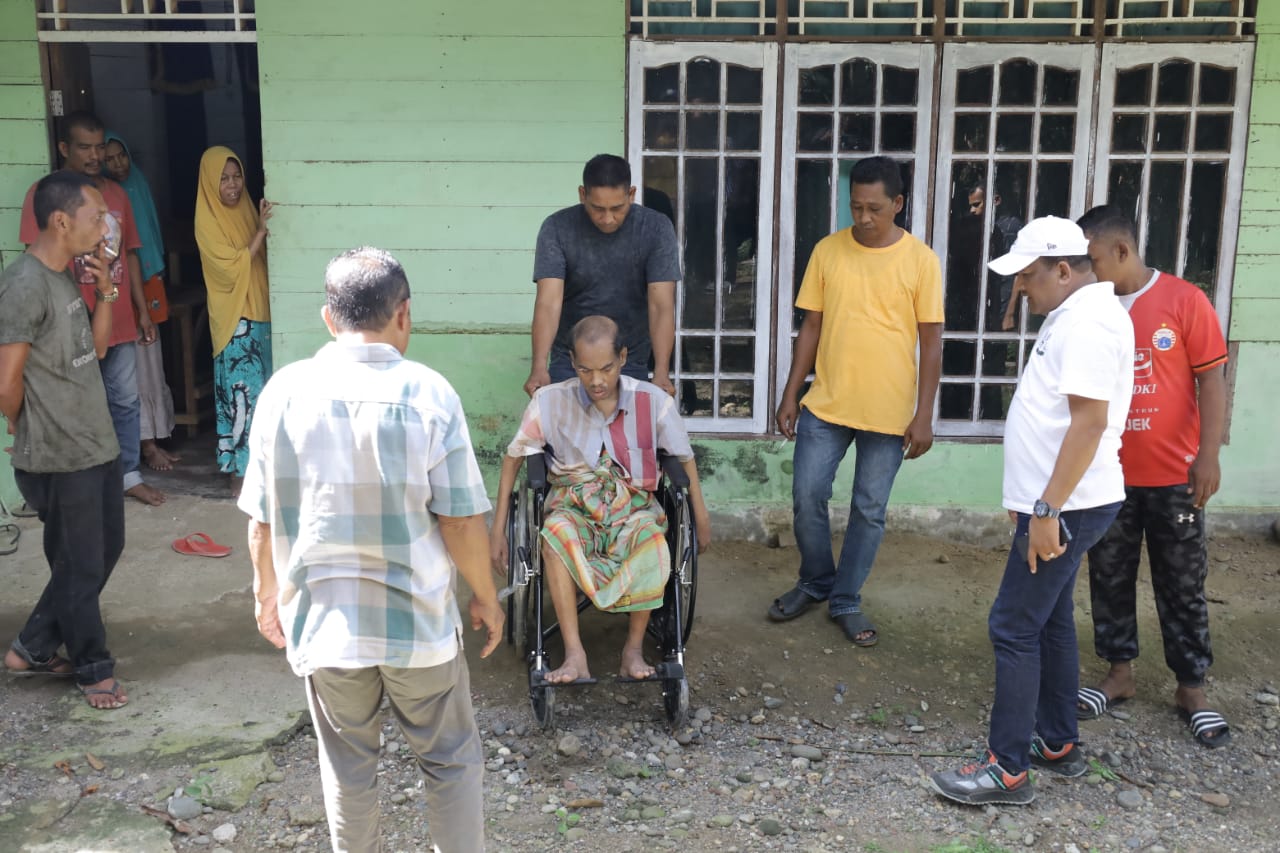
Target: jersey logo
(1142,362)
(1186,517)
(1164,339)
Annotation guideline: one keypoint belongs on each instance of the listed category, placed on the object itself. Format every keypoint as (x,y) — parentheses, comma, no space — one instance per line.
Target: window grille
(146,20)
(961,19)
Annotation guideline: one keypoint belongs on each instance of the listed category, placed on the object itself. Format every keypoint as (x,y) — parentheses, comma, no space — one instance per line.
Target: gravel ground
(831,755)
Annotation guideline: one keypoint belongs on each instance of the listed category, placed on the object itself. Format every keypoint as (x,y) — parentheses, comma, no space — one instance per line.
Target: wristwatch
(1041,509)
(109,297)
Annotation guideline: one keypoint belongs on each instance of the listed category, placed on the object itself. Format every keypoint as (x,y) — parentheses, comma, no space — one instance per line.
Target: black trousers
(1174,532)
(83,516)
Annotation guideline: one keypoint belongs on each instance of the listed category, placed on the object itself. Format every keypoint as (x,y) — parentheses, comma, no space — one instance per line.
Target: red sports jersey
(1176,335)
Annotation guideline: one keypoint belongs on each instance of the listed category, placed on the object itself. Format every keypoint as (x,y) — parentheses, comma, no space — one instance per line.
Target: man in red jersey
(1169,454)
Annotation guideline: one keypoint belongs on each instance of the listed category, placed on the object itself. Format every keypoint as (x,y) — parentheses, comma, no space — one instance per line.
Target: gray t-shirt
(608,274)
(64,424)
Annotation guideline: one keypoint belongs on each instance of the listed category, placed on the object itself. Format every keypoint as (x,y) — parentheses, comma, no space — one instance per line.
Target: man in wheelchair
(604,529)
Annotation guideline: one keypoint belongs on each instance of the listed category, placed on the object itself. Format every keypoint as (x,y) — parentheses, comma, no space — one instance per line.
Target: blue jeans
(819,448)
(120,376)
(1033,631)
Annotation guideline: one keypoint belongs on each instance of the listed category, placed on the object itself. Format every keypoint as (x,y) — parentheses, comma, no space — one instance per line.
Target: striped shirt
(353,454)
(562,417)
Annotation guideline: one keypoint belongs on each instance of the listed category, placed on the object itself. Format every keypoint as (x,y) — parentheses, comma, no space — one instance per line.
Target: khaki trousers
(433,706)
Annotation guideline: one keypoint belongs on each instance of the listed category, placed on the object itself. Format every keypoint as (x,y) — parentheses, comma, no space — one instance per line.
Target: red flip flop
(200,545)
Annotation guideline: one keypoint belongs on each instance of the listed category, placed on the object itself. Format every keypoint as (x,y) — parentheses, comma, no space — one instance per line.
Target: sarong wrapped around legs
(610,535)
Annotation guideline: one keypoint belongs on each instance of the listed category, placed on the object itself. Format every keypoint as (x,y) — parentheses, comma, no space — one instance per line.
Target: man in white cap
(1063,485)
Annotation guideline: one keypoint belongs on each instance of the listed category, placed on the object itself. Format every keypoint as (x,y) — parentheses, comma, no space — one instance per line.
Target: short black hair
(1110,220)
(363,287)
(1079,263)
(606,170)
(594,330)
(877,170)
(82,119)
(63,190)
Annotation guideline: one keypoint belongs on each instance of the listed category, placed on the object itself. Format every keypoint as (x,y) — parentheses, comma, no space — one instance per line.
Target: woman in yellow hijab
(232,237)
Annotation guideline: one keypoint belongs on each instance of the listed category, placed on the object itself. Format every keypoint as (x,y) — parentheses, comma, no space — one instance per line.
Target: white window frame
(61,21)
(762,55)
(1235,55)
(801,56)
(958,57)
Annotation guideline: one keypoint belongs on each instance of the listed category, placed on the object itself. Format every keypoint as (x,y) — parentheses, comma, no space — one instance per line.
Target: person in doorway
(870,294)
(232,237)
(604,528)
(156,401)
(1170,459)
(363,597)
(83,147)
(1063,485)
(605,256)
(66,457)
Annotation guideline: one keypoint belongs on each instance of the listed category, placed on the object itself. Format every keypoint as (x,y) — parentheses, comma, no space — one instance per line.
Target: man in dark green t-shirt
(66,458)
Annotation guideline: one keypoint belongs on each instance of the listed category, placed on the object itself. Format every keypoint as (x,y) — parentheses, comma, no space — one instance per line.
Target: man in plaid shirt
(364,494)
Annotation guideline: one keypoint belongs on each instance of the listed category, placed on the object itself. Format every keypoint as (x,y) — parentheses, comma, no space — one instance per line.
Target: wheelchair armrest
(536,466)
(673,468)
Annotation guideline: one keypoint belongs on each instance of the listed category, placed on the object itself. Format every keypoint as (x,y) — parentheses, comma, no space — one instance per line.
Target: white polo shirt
(1085,349)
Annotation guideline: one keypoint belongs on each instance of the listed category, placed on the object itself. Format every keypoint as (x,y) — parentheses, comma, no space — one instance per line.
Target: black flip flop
(791,604)
(9,536)
(1203,723)
(857,623)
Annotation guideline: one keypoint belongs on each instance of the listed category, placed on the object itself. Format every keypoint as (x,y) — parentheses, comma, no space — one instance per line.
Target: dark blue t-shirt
(607,274)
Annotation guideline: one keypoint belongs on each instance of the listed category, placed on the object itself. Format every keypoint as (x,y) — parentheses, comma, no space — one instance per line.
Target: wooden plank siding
(443,132)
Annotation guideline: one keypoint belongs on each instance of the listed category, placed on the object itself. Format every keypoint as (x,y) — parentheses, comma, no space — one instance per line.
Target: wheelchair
(530,624)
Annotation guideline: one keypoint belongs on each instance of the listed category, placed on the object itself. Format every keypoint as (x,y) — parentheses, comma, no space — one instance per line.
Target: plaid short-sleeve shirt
(353,454)
(563,417)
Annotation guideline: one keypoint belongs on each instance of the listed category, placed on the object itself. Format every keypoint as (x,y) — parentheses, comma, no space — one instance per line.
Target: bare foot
(1119,683)
(16,664)
(156,457)
(573,668)
(149,495)
(105,695)
(1189,699)
(634,665)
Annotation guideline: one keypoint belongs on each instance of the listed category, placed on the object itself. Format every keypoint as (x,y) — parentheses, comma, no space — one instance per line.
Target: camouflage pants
(1174,531)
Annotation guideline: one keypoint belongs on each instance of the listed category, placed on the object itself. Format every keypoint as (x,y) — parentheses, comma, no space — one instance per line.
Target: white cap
(1046,237)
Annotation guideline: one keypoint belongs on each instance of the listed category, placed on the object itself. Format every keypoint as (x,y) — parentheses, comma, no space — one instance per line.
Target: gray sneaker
(1068,761)
(983,782)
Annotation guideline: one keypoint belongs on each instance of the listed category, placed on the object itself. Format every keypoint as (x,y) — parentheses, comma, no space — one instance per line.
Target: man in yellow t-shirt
(870,294)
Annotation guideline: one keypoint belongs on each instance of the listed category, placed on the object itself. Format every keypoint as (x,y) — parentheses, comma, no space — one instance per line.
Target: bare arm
(13,358)
(464,539)
(662,331)
(1088,423)
(919,436)
(701,518)
(803,358)
(260,237)
(145,326)
(1205,475)
(546,320)
(265,588)
(498,532)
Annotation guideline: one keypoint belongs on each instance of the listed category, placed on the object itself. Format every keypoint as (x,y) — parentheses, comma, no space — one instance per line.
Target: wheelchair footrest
(665,671)
(537,681)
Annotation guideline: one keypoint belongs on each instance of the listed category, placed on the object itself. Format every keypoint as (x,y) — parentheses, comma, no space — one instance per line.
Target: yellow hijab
(236,280)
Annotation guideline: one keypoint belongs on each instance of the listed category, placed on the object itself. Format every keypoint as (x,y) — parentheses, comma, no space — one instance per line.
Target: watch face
(1040,509)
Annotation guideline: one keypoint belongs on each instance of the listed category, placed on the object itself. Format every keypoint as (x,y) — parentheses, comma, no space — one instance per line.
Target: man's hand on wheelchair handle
(489,616)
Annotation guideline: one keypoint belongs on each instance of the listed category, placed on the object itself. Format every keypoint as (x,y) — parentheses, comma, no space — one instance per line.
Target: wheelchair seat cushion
(611,536)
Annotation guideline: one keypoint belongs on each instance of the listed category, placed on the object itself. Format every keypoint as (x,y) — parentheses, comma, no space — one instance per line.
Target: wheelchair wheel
(523,569)
(543,700)
(675,700)
(684,570)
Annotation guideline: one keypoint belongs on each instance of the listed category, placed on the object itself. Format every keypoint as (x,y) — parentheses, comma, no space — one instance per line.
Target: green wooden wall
(24,151)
